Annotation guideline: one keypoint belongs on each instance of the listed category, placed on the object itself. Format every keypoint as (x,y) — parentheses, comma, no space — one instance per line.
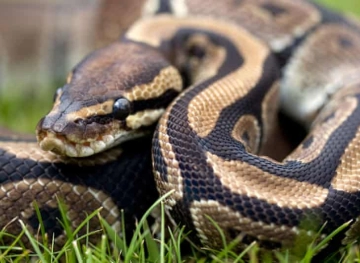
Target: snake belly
(211,142)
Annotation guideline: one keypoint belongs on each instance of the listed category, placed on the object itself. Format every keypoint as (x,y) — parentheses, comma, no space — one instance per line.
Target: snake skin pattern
(119,179)
(213,143)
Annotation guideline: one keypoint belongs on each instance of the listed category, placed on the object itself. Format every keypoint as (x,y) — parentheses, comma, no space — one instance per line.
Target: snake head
(115,94)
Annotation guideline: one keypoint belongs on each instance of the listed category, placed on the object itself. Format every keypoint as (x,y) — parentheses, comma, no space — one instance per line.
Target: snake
(187,100)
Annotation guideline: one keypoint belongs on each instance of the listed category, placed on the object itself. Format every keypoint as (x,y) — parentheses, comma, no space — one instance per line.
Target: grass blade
(33,242)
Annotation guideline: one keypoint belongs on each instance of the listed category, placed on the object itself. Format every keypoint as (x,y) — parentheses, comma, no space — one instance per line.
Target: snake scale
(213,145)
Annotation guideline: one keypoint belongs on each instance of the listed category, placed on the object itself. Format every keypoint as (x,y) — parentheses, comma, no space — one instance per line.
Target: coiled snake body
(212,144)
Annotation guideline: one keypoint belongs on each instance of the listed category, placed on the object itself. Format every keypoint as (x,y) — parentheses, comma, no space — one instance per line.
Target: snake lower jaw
(65,146)
(61,145)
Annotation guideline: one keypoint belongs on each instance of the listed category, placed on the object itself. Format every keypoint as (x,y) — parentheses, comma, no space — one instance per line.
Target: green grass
(347,6)
(144,247)
(20,111)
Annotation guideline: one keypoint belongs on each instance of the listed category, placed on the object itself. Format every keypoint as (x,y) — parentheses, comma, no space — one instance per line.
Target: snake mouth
(65,146)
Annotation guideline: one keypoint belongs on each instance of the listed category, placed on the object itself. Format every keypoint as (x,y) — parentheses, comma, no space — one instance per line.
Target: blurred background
(41,40)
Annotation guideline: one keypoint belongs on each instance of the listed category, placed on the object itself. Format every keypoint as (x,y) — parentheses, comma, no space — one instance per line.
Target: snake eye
(121,109)
(57,93)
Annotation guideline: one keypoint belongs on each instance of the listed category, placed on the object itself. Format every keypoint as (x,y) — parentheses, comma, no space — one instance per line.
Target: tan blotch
(94,110)
(245,179)
(228,219)
(204,67)
(205,108)
(247,132)
(168,78)
(153,30)
(322,130)
(348,172)
(144,118)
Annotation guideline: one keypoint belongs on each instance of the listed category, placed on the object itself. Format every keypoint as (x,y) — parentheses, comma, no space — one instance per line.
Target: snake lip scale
(63,145)
(211,79)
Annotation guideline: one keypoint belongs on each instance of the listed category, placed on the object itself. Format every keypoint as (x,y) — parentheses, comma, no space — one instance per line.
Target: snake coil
(214,144)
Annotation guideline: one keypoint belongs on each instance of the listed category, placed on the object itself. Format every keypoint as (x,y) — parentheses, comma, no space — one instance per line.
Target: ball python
(213,143)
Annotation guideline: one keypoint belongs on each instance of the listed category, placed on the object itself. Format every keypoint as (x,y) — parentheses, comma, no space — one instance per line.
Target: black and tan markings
(257,200)
(242,192)
(82,121)
(278,23)
(207,143)
(110,180)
